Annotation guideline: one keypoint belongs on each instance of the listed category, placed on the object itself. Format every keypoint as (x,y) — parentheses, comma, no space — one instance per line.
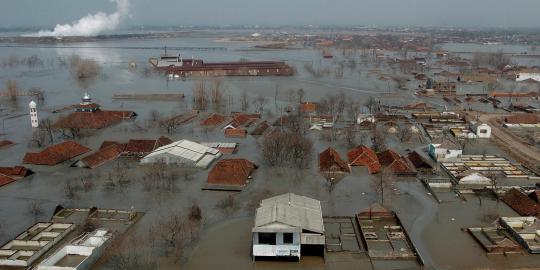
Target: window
(267,238)
(287,238)
(483,131)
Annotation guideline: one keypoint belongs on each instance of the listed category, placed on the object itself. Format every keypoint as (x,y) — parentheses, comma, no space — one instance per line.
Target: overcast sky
(474,13)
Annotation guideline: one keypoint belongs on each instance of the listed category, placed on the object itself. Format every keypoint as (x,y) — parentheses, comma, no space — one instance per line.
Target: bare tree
(371,103)
(35,210)
(285,148)
(216,95)
(378,141)
(259,103)
(351,136)
(227,205)
(382,183)
(12,90)
(45,126)
(84,71)
(300,93)
(200,95)
(244,101)
(195,213)
(404,133)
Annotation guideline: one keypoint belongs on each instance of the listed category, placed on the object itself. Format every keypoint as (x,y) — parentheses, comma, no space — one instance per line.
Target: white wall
(525,76)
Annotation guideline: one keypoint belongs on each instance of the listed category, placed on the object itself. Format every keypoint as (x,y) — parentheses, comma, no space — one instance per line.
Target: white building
(183,152)
(475,178)
(528,75)
(288,225)
(80,254)
(365,118)
(33,114)
(443,149)
(482,131)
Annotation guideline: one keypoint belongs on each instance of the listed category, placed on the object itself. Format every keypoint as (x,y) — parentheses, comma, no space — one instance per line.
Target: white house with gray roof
(288,225)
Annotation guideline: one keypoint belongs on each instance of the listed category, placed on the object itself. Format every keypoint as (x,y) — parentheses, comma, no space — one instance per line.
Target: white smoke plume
(91,24)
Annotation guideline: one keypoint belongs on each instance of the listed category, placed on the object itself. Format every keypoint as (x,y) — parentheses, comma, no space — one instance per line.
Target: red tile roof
(387,157)
(101,156)
(16,172)
(417,160)
(240,119)
(330,161)
(4,180)
(260,128)
(55,154)
(398,165)
(522,119)
(521,203)
(141,147)
(213,120)
(364,156)
(93,120)
(308,107)
(109,143)
(236,132)
(233,172)
(5,143)
(535,195)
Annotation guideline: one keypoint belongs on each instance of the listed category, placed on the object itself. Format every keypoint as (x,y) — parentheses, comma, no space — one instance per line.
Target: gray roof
(291,210)
(199,154)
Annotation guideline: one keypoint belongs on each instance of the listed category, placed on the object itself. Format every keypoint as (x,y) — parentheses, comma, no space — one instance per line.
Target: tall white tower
(33,114)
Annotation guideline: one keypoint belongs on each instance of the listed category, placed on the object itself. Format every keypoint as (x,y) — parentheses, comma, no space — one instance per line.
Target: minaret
(86,100)
(33,114)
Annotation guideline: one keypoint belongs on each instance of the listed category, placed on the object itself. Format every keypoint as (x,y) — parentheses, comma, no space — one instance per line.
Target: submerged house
(288,226)
(521,203)
(12,174)
(364,156)
(55,154)
(331,162)
(231,174)
(444,149)
(88,115)
(398,165)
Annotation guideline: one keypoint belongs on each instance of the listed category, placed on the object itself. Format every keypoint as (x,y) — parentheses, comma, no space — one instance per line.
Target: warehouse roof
(201,155)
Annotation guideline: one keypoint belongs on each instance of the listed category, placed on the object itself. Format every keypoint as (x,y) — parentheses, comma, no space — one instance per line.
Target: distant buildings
(288,225)
(176,66)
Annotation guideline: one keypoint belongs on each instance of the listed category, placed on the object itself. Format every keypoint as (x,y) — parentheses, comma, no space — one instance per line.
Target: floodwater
(225,240)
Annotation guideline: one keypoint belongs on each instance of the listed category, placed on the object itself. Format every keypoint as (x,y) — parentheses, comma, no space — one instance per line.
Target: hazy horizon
(414,13)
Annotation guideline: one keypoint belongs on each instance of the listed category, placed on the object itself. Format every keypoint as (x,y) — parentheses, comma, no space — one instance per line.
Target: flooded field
(225,236)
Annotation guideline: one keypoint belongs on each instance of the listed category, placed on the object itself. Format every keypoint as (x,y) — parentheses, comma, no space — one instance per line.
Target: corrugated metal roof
(290,209)
(220,144)
(199,154)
